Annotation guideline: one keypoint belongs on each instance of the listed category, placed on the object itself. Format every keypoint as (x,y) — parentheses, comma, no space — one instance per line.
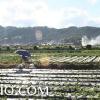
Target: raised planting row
(71,62)
(61,84)
(82,59)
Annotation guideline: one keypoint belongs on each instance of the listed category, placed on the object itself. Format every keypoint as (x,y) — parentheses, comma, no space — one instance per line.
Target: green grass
(9,58)
(73,53)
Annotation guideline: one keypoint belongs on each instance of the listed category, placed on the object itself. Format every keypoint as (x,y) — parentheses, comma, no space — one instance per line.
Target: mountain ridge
(27,35)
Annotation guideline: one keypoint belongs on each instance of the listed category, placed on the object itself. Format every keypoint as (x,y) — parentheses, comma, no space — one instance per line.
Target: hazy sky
(51,13)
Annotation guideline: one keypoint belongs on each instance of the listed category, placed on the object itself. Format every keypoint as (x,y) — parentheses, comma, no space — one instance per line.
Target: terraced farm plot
(63,84)
(63,62)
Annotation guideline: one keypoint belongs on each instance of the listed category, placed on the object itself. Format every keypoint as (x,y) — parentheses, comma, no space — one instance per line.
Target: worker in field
(25,56)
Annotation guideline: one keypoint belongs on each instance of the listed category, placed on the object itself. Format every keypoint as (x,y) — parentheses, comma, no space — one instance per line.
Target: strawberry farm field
(68,75)
(62,84)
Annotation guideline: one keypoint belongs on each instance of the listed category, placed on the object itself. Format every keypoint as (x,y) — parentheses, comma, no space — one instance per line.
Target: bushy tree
(89,47)
(35,48)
